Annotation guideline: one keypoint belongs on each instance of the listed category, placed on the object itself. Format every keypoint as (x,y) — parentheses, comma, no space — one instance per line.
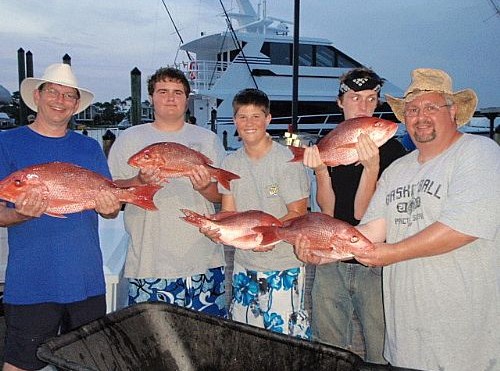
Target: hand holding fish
(174,160)
(327,237)
(233,228)
(60,188)
(212,233)
(368,153)
(150,175)
(200,178)
(312,159)
(339,146)
(303,252)
(107,203)
(383,254)
(31,203)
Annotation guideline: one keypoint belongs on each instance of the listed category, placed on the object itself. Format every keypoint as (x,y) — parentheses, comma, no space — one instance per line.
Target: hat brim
(465,100)
(30,84)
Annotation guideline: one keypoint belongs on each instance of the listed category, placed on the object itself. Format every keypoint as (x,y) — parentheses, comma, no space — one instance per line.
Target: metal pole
(295,76)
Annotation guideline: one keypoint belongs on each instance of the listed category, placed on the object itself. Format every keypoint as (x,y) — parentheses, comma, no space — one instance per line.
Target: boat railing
(203,74)
(98,133)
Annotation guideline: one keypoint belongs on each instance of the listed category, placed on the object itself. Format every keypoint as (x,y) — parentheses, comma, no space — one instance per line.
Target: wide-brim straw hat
(59,73)
(428,80)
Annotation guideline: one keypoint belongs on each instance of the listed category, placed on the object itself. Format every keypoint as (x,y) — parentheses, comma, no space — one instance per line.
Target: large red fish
(176,160)
(338,147)
(235,228)
(70,188)
(331,238)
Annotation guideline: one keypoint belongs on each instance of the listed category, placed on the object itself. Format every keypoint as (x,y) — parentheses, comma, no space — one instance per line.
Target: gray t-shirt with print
(443,312)
(162,245)
(268,184)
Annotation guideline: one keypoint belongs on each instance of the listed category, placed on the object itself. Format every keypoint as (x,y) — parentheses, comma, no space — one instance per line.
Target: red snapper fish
(330,238)
(235,228)
(176,160)
(71,188)
(338,147)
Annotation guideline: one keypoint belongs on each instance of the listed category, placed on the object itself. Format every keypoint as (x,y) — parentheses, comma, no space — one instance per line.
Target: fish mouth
(132,161)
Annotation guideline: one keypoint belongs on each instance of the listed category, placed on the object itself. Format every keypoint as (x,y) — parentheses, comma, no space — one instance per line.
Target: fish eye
(18,182)
(354,239)
(377,124)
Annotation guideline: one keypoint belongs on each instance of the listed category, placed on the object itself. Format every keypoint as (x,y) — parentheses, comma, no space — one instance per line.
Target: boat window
(279,53)
(343,61)
(309,55)
(325,56)
(222,57)
(306,55)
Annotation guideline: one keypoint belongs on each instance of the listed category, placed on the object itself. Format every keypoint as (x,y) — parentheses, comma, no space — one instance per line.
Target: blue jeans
(340,290)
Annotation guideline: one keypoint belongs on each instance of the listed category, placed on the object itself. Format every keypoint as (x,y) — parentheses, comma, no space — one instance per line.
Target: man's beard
(425,138)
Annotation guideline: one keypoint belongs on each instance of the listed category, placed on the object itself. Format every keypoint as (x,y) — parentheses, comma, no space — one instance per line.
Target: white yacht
(257,51)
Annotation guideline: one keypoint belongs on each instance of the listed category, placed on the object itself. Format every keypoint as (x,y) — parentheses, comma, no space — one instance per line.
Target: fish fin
(346,146)
(221,215)
(62,216)
(143,196)
(222,176)
(330,255)
(269,235)
(192,218)
(298,154)
(246,240)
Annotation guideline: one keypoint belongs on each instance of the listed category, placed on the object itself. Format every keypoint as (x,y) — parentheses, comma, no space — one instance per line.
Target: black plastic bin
(156,336)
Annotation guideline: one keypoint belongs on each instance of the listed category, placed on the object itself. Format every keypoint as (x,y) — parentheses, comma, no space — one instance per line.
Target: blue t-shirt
(52,259)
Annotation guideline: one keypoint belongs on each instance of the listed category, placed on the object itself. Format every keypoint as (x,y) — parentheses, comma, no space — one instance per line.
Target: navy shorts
(28,326)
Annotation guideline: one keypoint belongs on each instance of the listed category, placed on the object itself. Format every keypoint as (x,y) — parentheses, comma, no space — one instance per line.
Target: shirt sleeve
(473,203)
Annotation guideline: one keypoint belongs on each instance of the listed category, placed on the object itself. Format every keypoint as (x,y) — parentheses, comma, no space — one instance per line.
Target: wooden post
(29,64)
(21,67)
(29,73)
(135,110)
(66,59)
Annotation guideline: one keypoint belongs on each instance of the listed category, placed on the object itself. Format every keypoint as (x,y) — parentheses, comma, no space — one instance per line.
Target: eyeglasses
(69,97)
(428,109)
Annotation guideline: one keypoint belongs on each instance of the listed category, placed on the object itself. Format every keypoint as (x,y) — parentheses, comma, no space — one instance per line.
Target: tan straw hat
(59,73)
(427,80)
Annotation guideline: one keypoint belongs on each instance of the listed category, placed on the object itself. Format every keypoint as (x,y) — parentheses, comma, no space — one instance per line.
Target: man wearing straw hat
(54,279)
(437,209)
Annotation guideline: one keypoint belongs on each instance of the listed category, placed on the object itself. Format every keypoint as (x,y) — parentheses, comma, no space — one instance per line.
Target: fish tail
(222,176)
(192,218)
(298,154)
(269,235)
(142,196)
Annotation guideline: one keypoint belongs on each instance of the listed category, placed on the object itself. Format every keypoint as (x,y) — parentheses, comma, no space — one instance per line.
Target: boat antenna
(495,6)
(237,42)
(176,29)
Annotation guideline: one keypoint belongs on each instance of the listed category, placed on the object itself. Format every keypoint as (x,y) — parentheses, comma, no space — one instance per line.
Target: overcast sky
(107,39)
